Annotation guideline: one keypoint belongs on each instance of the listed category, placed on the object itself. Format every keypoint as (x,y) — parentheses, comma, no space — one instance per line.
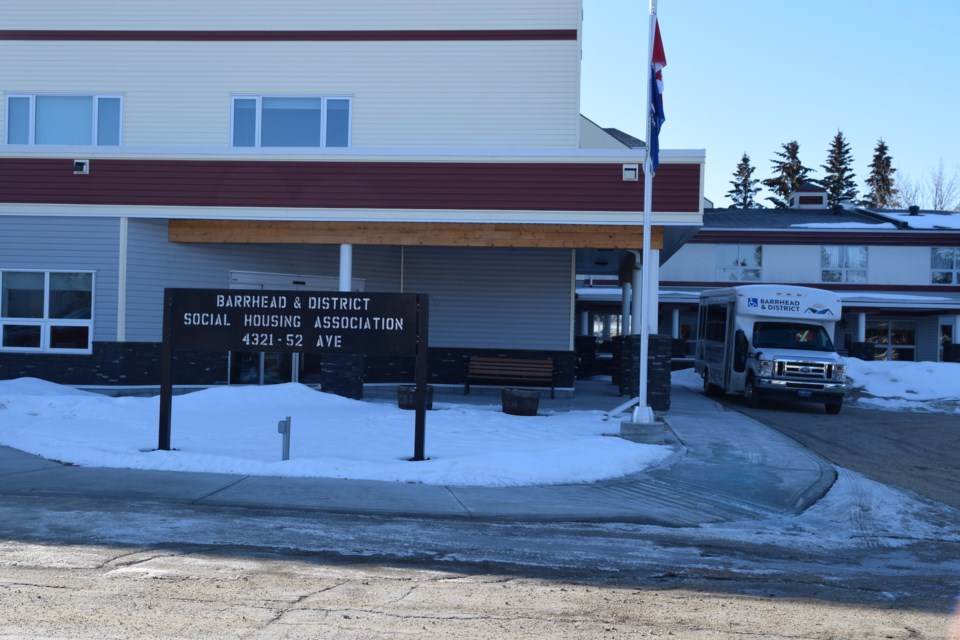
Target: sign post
(332,322)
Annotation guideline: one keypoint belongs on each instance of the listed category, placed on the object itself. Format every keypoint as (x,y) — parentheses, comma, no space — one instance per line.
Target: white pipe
(122,280)
(346,267)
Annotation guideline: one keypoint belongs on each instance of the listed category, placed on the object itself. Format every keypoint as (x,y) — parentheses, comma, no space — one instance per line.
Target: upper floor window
(83,120)
(944,265)
(843,264)
(46,311)
(739,262)
(262,121)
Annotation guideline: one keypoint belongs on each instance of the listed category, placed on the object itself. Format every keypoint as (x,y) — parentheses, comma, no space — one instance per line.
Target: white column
(636,314)
(346,267)
(585,328)
(861,327)
(625,295)
(652,281)
(675,324)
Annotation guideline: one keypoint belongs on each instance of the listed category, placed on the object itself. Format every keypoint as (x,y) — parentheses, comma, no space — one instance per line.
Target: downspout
(122,280)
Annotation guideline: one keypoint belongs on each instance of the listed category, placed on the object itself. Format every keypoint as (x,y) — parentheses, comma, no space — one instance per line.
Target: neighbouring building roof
(843,217)
(625,138)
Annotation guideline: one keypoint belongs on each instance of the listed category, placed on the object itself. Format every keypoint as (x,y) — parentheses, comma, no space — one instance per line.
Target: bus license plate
(804,393)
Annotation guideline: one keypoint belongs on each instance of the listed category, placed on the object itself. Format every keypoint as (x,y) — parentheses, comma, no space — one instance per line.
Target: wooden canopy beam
(436,234)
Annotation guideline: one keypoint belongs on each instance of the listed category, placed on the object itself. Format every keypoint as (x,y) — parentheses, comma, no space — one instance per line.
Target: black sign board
(294,322)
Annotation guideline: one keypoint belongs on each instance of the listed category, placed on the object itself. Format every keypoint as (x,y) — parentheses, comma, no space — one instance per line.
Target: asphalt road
(914,450)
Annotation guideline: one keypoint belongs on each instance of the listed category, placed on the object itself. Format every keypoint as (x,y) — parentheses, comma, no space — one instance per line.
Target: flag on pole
(658,62)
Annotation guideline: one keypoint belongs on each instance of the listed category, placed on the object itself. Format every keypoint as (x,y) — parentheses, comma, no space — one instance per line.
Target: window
(893,339)
(944,265)
(843,264)
(63,119)
(46,311)
(291,122)
(739,262)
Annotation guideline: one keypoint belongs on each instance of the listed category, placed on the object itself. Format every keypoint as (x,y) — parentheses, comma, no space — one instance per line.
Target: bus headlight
(840,372)
(766,369)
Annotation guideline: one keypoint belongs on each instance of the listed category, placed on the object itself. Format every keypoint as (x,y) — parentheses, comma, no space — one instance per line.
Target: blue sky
(750,75)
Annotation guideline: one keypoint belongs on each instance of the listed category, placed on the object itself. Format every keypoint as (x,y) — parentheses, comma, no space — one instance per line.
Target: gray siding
(494,298)
(69,244)
(154,263)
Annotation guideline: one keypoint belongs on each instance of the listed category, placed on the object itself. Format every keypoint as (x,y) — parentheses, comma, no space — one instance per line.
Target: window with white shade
(739,262)
(265,121)
(944,265)
(843,264)
(73,120)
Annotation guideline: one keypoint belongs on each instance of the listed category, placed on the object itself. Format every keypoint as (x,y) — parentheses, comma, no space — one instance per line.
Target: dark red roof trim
(537,186)
(886,237)
(832,286)
(293,36)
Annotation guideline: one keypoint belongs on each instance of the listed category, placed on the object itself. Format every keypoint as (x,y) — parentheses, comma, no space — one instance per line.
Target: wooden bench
(526,372)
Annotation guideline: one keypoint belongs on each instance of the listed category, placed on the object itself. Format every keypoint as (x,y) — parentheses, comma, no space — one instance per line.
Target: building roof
(845,217)
(625,138)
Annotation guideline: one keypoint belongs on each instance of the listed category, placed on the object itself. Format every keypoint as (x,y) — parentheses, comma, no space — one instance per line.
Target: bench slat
(529,372)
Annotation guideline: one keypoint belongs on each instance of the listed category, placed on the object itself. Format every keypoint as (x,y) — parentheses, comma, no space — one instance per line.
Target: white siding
(69,244)
(292,14)
(899,265)
(494,298)
(405,93)
(692,263)
(791,263)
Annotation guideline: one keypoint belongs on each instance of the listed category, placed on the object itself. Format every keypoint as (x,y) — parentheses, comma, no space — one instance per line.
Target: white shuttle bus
(764,341)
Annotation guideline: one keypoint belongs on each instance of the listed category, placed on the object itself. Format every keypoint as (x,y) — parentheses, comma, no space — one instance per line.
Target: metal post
(283,427)
(420,424)
(166,383)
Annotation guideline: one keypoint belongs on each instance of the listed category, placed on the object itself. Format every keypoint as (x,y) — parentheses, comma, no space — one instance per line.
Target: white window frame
(46,323)
(842,268)
(32,122)
(954,271)
(725,271)
(259,118)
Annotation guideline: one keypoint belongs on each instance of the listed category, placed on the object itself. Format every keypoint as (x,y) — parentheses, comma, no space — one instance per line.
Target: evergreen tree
(788,174)
(744,185)
(839,177)
(882,193)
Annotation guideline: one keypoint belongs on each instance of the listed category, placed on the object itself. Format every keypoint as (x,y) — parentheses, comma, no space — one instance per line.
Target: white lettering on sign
(206,320)
(329,341)
(250,301)
(270,321)
(337,303)
(373,323)
(780,304)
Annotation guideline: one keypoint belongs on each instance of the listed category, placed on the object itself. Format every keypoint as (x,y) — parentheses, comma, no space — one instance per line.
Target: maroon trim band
(294,36)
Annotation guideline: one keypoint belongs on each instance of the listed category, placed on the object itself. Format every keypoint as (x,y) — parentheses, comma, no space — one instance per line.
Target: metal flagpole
(642,413)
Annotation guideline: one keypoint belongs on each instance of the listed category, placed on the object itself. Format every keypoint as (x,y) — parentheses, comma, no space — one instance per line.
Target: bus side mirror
(740,349)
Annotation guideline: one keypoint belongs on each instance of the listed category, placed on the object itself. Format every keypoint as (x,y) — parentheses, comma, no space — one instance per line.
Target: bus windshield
(791,335)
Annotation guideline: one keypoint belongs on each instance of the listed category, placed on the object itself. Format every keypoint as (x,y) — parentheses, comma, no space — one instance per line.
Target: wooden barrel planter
(407,397)
(520,402)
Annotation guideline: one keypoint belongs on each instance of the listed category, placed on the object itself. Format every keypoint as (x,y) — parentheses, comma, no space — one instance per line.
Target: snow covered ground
(233,430)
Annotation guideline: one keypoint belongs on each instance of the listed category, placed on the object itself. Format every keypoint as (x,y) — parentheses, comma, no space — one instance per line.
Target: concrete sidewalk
(725,467)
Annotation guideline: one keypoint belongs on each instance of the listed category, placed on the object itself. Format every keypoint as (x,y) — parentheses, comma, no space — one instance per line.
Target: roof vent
(914,210)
